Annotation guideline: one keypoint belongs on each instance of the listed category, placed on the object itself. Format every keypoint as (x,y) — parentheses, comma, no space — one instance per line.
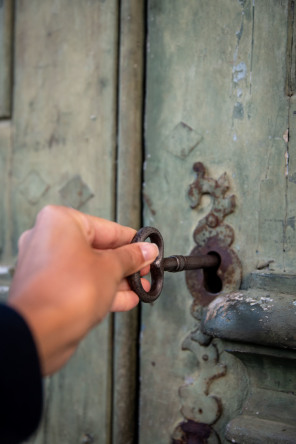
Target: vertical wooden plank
(6,24)
(273,120)
(290,142)
(7,263)
(64,148)
(5,157)
(129,170)
(290,174)
(215,94)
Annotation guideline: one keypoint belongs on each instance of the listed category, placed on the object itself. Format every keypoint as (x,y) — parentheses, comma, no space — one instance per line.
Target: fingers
(126,299)
(134,257)
(124,285)
(144,271)
(99,233)
(102,233)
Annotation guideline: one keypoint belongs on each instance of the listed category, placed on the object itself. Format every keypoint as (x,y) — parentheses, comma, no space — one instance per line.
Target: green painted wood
(216,79)
(290,214)
(128,206)
(280,282)
(268,414)
(5,152)
(64,145)
(6,260)
(6,45)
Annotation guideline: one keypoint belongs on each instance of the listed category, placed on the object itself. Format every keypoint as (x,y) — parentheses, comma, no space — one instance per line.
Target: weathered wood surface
(64,145)
(6,260)
(268,414)
(5,157)
(216,80)
(6,52)
(128,210)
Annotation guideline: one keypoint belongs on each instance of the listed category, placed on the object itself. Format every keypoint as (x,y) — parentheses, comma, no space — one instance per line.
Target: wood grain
(64,148)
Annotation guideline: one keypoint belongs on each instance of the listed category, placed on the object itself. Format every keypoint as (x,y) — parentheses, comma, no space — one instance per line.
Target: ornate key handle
(156,268)
(161,264)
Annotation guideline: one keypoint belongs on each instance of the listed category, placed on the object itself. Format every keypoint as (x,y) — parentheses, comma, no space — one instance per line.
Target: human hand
(70,273)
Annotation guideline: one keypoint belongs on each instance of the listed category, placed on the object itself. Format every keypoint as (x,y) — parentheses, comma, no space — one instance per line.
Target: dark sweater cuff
(20,379)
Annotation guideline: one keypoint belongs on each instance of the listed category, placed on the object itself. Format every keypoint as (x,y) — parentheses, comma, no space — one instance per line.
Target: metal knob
(161,264)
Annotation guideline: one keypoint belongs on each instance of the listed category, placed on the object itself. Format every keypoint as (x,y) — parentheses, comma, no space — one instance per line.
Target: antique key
(162,264)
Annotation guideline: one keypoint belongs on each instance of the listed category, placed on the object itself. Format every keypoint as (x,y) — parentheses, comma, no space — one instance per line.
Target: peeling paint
(238,111)
(239,72)
(189,380)
(286,135)
(221,304)
(286,163)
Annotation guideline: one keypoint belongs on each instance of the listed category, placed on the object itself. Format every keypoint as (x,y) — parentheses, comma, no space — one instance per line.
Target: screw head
(212,220)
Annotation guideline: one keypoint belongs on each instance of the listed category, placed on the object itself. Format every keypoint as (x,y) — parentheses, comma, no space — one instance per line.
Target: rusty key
(161,264)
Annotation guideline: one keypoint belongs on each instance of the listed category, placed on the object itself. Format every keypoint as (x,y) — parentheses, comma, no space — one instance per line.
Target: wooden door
(71,86)
(219,86)
(58,87)
(220,90)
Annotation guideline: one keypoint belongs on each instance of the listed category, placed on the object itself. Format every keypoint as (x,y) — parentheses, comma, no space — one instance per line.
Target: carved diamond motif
(182,140)
(33,187)
(75,193)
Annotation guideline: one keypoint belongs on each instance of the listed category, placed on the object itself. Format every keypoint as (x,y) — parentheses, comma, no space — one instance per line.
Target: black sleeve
(20,379)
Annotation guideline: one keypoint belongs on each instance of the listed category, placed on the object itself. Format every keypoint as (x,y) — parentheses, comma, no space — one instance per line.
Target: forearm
(20,378)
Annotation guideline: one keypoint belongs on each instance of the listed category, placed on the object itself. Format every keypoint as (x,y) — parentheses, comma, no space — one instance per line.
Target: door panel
(219,90)
(63,152)
(6,49)
(216,82)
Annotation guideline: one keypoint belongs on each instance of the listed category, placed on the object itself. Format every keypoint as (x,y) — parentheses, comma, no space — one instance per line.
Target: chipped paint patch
(286,163)
(221,305)
(189,380)
(239,72)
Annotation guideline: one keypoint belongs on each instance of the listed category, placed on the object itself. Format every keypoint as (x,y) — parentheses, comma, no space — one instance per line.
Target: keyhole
(212,282)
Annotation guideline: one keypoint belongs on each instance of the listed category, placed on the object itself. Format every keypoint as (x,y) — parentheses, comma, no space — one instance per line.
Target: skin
(71,272)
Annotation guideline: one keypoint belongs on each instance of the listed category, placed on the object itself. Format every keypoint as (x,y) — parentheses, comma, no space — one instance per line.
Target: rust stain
(149,204)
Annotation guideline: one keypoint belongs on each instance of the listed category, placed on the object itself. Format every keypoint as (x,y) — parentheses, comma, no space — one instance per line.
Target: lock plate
(212,235)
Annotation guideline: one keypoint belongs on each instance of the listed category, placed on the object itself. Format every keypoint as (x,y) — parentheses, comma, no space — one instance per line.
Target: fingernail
(149,251)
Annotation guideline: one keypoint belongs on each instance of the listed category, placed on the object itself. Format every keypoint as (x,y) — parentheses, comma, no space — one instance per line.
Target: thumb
(134,257)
